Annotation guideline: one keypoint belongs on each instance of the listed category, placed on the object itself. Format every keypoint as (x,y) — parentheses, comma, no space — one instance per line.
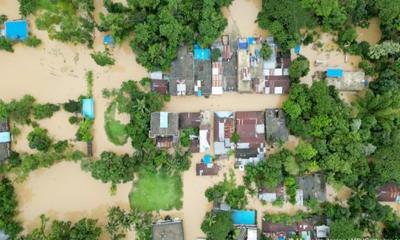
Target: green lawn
(115,130)
(153,192)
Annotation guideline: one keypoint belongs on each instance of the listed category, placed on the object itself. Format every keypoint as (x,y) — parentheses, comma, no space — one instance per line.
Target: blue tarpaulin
(5,137)
(251,40)
(88,108)
(16,30)
(243,45)
(244,217)
(297,49)
(334,73)
(108,40)
(207,159)
(201,53)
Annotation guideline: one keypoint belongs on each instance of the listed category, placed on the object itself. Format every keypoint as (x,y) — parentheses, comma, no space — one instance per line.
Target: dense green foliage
(20,110)
(85,130)
(343,229)
(266,51)
(102,58)
(154,192)
(8,210)
(84,229)
(218,225)
(160,27)
(42,111)
(67,21)
(185,136)
(73,106)
(39,139)
(227,192)
(33,41)
(299,68)
(5,44)
(120,221)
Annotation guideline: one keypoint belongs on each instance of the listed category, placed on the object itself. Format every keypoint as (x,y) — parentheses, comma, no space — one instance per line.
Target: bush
(8,209)
(61,146)
(85,131)
(38,139)
(73,120)
(73,106)
(33,41)
(3,19)
(215,54)
(42,111)
(291,188)
(102,58)
(89,83)
(185,136)
(278,202)
(266,51)
(20,111)
(27,7)
(6,45)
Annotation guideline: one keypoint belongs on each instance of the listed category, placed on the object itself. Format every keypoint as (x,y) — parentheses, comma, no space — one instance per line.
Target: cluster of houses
(238,67)
(243,133)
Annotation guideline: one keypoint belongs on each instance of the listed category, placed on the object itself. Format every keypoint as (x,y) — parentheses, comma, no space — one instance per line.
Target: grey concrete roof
(275,121)
(172,129)
(313,186)
(168,230)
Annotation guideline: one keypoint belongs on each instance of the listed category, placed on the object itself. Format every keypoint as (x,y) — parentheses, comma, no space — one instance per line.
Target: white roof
(224,114)
(269,197)
(260,128)
(251,234)
(278,72)
(278,90)
(322,231)
(219,148)
(156,75)
(221,131)
(215,71)
(299,197)
(204,145)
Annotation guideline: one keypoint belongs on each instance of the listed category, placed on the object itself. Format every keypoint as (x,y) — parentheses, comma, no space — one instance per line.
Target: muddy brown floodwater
(55,72)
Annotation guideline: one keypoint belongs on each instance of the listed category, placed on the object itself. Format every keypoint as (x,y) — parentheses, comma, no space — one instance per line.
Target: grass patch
(153,192)
(115,130)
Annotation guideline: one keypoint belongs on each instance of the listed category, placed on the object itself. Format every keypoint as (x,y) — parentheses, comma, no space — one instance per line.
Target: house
(5,140)
(275,78)
(275,122)
(270,195)
(200,121)
(224,127)
(207,167)
(181,76)
(217,79)
(306,229)
(164,128)
(168,230)
(251,129)
(88,108)
(311,186)
(346,81)
(202,71)
(247,233)
(16,30)
(249,63)
(158,83)
(389,192)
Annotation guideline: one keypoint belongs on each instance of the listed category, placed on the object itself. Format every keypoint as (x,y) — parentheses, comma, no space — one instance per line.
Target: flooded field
(55,72)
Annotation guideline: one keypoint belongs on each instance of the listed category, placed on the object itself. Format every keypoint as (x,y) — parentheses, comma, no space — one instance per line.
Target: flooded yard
(55,72)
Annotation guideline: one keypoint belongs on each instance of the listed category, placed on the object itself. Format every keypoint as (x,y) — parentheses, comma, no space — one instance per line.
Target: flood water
(55,72)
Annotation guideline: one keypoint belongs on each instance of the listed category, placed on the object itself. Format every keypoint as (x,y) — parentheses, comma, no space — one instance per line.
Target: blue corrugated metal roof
(201,53)
(334,73)
(244,217)
(163,120)
(297,49)
(16,30)
(88,108)
(5,137)
(251,40)
(108,40)
(207,159)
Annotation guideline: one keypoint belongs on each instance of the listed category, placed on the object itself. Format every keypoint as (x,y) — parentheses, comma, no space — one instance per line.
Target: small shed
(207,159)
(16,30)
(244,217)
(108,40)
(334,73)
(88,108)
(297,49)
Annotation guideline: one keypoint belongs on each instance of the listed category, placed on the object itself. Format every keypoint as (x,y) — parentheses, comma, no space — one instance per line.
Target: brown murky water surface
(55,72)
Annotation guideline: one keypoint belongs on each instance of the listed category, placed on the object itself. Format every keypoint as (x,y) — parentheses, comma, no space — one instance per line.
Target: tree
(299,68)
(102,58)
(20,111)
(39,139)
(5,44)
(330,13)
(344,229)
(235,137)
(291,188)
(27,7)
(8,210)
(217,225)
(215,54)
(384,49)
(42,111)
(266,51)
(3,19)
(73,106)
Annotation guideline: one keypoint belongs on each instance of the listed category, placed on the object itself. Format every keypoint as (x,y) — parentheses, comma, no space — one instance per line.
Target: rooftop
(389,192)
(313,186)
(207,170)
(181,76)
(88,108)
(164,124)
(189,120)
(4,145)
(251,129)
(275,121)
(224,126)
(168,230)
(351,81)
(16,30)
(160,86)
